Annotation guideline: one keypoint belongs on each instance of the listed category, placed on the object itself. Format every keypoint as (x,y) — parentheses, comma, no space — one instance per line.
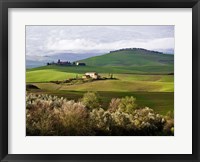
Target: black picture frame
(6,4)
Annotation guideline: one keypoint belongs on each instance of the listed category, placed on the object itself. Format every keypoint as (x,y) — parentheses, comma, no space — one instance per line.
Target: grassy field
(53,72)
(113,85)
(123,82)
(154,91)
(144,76)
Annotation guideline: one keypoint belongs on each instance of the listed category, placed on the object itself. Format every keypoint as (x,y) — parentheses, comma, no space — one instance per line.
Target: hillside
(126,61)
(131,57)
(140,73)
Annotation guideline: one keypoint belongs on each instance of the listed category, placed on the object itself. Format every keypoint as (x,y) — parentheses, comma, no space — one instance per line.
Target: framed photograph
(104,80)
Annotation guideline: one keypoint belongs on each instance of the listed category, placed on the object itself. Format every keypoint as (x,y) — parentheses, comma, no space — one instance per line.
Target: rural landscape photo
(100,80)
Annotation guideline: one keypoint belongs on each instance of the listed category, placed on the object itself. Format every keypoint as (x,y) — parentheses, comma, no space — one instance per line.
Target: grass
(51,72)
(47,75)
(124,83)
(121,86)
(130,58)
(161,102)
(148,83)
(155,91)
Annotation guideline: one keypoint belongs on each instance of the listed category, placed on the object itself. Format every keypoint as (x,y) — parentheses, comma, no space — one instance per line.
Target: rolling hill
(124,61)
(130,57)
(138,72)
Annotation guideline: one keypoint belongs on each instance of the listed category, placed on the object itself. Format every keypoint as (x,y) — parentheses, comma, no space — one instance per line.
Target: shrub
(40,119)
(169,127)
(51,115)
(141,122)
(91,100)
(101,121)
(114,104)
(47,115)
(169,124)
(127,104)
(148,122)
(73,119)
(170,115)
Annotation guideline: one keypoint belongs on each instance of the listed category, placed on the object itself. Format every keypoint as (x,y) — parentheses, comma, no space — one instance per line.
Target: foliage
(169,124)
(101,120)
(114,104)
(91,100)
(141,122)
(127,104)
(51,115)
(73,119)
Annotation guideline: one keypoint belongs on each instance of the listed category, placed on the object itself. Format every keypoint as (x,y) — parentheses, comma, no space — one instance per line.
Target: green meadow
(148,77)
(53,72)
(155,91)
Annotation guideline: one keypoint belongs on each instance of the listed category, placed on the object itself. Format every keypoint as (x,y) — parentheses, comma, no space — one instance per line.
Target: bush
(148,122)
(127,104)
(47,115)
(73,119)
(114,104)
(170,115)
(40,119)
(91,100)
(141,122)
(169,124)
(101,121)
(51,115)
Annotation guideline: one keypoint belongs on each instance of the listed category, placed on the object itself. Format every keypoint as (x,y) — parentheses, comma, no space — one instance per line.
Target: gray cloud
(43,40)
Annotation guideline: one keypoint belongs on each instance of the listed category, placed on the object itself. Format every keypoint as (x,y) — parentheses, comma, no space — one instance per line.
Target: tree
(91,100)
(128,104)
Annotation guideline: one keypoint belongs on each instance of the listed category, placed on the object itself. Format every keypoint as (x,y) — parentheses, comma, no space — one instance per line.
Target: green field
(155,91)
(53,72)
(123,83)
(148,77)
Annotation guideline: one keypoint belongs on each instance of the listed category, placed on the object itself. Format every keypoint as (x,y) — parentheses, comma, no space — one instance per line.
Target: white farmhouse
(92,75)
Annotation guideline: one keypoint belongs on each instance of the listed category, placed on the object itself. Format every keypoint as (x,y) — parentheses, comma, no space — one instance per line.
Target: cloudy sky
(48,40)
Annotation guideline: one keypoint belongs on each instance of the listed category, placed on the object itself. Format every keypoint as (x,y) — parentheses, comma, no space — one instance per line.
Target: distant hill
(131,57)
(33,64)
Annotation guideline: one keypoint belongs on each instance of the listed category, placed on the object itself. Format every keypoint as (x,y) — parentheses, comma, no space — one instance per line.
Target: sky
(49,40)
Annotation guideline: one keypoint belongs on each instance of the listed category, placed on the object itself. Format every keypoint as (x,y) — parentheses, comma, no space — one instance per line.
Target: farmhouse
(92,75)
